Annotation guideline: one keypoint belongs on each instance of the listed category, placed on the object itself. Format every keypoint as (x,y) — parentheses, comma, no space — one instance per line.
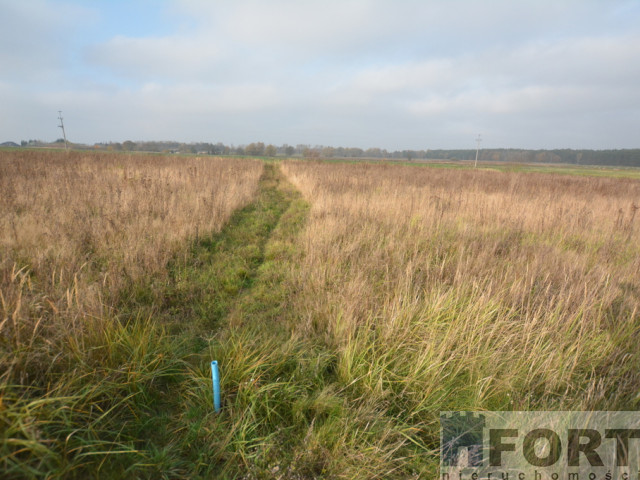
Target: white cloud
(176,56)
(284,24)
(577,75)
(389,79)
(381,72)
(34,35)
(202,99)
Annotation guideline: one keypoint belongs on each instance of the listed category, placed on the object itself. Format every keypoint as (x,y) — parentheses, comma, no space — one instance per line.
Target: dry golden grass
(78,230)
(407,291)
(452,289)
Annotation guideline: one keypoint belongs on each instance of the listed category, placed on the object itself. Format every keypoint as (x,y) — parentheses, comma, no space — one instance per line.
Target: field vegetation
(347,305)
(498,290)
(86,246)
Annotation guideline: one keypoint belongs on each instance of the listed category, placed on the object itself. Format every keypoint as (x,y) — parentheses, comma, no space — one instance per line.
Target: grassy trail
(221,270)
(225,302)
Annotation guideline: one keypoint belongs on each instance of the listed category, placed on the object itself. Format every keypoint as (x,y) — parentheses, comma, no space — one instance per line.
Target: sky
(393,74)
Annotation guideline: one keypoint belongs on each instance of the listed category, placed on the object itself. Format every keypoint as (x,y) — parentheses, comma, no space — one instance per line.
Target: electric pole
(478,140)
(62,127)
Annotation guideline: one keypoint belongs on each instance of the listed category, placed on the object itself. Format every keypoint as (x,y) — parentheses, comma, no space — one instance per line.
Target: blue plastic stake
(215,376)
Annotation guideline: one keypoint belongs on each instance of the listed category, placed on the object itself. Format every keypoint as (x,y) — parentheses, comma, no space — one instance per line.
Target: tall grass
(83,235)
(461,289)
(344,320)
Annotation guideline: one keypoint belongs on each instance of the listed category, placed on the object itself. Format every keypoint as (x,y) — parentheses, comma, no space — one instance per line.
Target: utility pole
(62,127)
(478,140)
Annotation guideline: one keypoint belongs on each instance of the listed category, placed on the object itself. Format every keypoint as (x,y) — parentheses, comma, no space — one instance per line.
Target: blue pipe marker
(215,375)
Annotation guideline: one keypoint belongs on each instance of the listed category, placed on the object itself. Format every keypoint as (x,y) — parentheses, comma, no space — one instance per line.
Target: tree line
(622,157)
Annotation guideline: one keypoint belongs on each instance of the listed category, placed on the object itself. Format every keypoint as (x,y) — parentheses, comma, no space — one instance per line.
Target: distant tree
(328,152)
(311,153)
(220,149)
(256,149)
(354,152)
(270,151)
(128,145)
(373,152)
(289,150)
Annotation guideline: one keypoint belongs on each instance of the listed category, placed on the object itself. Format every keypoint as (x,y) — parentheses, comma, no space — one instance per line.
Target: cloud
(203,99)
(311,27)
(157,57)
(574,76)
(408,74)
(34,35)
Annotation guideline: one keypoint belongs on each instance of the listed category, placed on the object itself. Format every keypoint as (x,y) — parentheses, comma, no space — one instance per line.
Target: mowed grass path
(207,284)
(223,302)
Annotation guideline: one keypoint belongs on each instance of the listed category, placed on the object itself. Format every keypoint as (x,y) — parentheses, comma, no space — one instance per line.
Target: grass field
(558,169)
(347,304)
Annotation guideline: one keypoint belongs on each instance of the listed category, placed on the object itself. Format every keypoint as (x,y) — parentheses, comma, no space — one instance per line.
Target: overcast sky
(393,74)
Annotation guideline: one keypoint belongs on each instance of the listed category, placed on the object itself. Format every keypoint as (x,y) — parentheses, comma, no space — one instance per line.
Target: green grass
(588,171)
(206,284)
(560,169)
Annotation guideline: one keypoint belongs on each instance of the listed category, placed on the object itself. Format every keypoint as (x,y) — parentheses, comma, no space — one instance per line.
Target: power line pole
(478,140)
(62,127)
